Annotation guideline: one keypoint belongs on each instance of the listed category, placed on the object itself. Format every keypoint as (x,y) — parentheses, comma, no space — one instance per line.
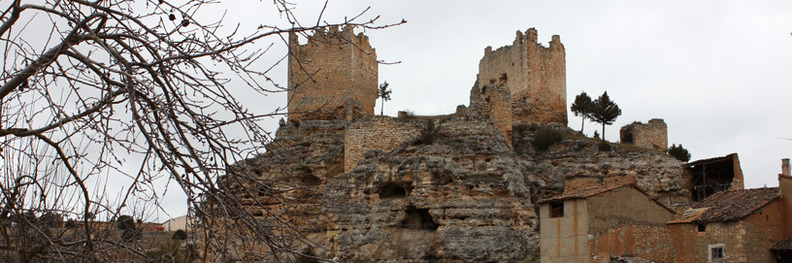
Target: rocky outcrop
(466,195)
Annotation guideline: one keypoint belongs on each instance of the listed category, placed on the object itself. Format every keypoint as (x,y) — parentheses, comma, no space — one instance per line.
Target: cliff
(463,195)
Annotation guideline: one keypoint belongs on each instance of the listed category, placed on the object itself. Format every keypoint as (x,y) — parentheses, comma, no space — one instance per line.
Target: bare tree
(92,87)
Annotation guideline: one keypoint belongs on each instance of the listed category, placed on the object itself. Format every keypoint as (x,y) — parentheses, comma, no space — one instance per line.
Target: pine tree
(582,107)
(384,93)
(604,111)
(679,152)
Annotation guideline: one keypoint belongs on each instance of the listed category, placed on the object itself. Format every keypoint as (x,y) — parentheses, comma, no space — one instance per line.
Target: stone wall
(333,76)
(648,242)
(652,135)
(534,74)
(378,134)
(747,240)
(493,102)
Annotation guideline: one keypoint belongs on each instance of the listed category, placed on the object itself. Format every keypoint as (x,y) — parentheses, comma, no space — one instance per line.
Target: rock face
(457,193)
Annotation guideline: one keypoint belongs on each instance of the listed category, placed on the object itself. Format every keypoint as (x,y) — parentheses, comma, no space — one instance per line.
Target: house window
(716,253)
(557,210)
(702,227)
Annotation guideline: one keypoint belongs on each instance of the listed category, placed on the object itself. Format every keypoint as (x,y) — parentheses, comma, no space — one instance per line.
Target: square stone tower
(333,76)
(535,76)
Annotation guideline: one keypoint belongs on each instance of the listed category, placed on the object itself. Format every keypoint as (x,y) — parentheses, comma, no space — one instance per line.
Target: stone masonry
(652,135)
(332,76)
(535,75)
(377,133)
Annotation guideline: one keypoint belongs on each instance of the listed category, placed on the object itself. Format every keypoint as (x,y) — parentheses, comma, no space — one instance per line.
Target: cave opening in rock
(391,190)
(418,219)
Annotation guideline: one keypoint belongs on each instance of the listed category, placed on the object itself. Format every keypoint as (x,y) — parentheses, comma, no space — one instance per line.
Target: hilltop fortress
(462,187)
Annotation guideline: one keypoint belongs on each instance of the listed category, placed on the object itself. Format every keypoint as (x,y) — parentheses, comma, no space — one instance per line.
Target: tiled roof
(584,193)
(784,245)
(728,205)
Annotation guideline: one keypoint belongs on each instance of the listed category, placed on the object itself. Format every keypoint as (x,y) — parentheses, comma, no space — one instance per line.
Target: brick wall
(652,135)
(534,74)
(333,76)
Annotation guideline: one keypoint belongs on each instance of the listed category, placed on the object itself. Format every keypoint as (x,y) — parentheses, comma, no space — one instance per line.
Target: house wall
(622,206)
(178,223)
(747,240)
(648,242)
(564,239)
(625,221)
(785,186)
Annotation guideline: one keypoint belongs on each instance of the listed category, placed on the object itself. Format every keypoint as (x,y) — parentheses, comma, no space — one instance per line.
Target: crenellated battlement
(534,74)
(332,76)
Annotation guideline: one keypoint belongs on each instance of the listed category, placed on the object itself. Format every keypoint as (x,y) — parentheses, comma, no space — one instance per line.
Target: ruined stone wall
(333,76)
(534,74)
(376,133)
(652,135)
(747,240)
(493,102)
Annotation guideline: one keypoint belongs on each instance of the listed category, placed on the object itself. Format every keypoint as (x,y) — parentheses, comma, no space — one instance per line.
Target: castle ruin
(652,135)
(365,188)
(534,75)
(332,76)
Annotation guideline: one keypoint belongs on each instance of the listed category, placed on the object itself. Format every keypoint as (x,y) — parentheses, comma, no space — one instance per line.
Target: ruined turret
(333,76)
(534,75)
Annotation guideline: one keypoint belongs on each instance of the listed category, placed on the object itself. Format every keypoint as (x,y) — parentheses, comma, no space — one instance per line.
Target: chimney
(785,170)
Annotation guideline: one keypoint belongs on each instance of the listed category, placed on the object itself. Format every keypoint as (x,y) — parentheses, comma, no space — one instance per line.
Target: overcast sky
(718,72)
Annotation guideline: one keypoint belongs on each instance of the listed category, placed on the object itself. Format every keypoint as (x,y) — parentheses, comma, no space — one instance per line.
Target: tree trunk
(603,131)
(382,109)
(582,122)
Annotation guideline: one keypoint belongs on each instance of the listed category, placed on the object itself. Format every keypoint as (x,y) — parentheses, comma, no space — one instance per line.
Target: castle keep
(332,76)
(534,75)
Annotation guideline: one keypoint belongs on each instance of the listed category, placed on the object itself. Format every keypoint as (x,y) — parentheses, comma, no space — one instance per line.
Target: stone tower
(535,76)
(333,76)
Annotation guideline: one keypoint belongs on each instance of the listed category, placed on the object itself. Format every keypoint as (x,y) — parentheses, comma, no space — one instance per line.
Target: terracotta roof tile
(728,205)
(583,193)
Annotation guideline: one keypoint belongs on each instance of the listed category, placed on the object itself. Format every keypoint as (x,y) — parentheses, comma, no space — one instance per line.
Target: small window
(716,253)
(556,210)
(702,227)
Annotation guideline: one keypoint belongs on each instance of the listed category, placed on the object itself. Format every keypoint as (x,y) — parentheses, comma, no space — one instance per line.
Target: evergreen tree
(384,93)
(604,111)
(582,107)
(679,152)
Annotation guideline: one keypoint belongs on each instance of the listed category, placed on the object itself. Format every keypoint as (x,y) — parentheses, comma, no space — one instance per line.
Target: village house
(739,225)
(596,223)
(620,223)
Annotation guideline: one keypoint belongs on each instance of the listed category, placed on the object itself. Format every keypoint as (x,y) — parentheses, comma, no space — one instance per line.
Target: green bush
(679,152)
(429,133)
(546,137)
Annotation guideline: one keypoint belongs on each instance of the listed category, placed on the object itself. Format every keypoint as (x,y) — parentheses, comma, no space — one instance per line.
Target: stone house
(597,223)
(738,225)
